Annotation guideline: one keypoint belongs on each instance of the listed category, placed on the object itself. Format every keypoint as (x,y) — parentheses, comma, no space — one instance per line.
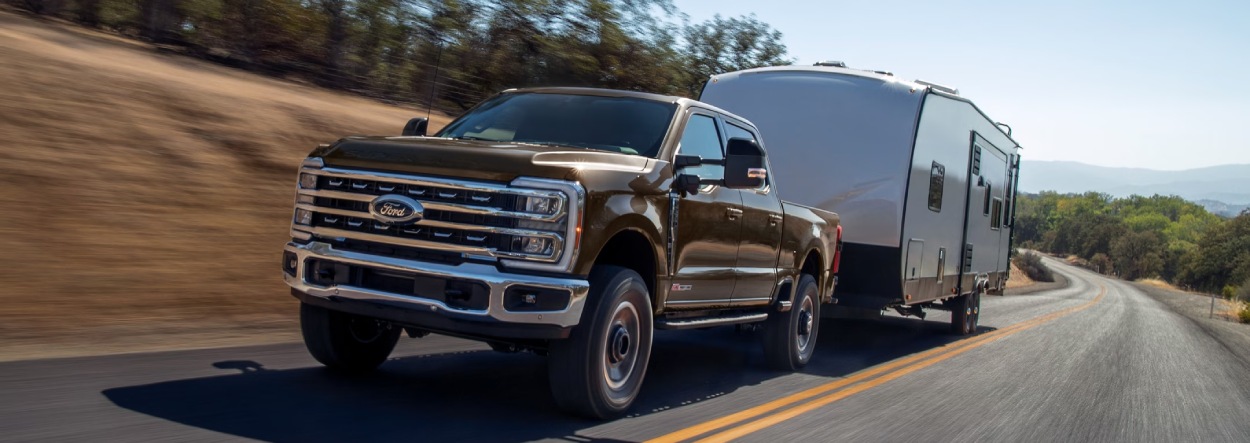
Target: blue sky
(1133,84)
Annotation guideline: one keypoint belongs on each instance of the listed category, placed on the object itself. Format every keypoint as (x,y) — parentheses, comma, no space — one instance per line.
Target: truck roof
(680,101)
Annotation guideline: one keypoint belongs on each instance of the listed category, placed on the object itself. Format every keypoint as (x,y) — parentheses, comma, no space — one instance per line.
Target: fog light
(536,245)
(540,205)
(303,217)
(290,262)
(308,181)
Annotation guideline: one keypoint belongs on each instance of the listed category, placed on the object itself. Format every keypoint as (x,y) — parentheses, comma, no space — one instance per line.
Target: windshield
(618,124)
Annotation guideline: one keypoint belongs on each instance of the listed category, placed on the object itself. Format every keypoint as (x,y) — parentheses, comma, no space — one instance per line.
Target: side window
(937,179)
(735,131)
(702,139)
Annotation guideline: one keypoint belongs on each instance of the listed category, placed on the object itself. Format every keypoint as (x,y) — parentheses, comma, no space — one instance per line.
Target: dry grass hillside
(144,197)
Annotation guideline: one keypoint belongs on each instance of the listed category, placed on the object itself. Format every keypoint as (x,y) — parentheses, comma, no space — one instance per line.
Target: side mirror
(688,184)
(744,164)
(687,161)
(416,127)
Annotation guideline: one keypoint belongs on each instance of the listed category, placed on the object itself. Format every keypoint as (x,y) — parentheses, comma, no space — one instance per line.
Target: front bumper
(495,320)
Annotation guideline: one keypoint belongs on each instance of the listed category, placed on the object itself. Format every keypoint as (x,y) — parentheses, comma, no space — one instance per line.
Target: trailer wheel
(966,313)
(790,337)
(598,371)
(345,342)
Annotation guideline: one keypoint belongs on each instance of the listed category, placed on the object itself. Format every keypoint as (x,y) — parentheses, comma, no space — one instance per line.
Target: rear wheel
(345,342)
(598,371)
(966,313)
(790,337)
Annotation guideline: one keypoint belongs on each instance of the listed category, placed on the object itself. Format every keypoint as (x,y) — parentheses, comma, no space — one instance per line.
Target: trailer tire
(790,337)
(597,372)
(345,342)
(966,313)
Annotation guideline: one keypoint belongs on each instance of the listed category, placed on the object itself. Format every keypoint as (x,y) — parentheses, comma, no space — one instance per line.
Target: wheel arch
(633,248)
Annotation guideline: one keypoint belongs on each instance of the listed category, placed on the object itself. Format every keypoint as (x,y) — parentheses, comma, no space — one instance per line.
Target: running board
(707,322)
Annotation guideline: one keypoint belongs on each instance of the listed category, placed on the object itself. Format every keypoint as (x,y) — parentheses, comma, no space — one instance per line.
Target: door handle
(733,213)
(773,219)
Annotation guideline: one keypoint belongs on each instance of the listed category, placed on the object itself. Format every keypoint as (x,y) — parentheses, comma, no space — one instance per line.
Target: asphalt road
(1095,361)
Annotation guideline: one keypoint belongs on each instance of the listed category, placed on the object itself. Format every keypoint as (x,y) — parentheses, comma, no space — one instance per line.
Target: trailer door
(984,233)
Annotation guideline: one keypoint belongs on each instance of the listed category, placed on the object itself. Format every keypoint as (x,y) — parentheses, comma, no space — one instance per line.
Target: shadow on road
(484,395)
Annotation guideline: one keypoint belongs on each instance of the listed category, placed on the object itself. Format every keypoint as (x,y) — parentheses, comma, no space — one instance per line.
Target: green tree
(722,45)
(1137,255)
(1223,256)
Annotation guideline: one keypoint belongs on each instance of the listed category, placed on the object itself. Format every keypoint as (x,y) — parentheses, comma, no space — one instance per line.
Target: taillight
(837,252)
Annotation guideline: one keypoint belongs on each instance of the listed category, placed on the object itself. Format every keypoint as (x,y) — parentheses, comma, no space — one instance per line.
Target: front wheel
(790,337)
(966,313)
(345,342)
(597,372)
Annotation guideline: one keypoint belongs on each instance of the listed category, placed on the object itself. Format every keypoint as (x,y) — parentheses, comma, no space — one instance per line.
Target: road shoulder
(1035,287)
(1197,308)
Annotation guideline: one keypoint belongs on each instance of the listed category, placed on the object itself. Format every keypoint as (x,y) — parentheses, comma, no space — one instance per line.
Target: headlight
(555,220)
(303,217)
(539,205)
(307,181)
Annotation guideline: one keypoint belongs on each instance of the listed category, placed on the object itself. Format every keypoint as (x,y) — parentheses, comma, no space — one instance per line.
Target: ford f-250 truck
(566,221)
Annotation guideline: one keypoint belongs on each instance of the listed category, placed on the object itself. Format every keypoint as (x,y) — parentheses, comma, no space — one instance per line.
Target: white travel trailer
(924,181)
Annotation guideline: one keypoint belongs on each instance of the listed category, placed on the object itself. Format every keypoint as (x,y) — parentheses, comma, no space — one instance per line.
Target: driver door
(709,224)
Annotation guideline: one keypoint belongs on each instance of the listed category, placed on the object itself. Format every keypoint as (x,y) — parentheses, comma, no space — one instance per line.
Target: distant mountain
(1222,209)
(1225,187)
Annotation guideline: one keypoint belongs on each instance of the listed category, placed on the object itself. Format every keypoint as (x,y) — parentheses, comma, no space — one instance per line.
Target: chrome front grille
(471,218)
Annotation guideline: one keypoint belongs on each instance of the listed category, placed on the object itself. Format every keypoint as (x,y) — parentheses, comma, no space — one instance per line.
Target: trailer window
(997,221)
(989,191)
(937,179)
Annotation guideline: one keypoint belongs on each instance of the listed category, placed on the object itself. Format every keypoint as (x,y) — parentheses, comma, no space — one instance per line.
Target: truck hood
(474,159)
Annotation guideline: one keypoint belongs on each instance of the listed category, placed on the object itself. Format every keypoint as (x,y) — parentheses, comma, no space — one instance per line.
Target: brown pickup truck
(565,221)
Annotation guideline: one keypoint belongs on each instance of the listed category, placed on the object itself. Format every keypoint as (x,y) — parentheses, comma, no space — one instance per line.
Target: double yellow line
(746,422)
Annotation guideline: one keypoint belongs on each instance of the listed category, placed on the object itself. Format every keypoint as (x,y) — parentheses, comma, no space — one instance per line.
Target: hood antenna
(438,61)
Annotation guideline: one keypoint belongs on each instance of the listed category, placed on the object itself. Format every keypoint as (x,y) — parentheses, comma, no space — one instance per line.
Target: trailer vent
(976,160)
(968,257)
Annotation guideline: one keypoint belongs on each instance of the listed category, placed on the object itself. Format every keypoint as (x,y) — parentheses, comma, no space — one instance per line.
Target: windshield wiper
(470,137)
(528,142)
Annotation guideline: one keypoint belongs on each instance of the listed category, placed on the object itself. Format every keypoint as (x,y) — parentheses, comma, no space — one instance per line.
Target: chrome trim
(436,223)
(450,207)
(435,182)
(722,301)
(497,281)
(710,322)
(314,162)
(324,232)
(569,198)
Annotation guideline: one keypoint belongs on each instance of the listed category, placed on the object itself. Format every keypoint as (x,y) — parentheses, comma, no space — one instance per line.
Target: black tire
(598,371)
(966,313)
(344,342)
(790,337)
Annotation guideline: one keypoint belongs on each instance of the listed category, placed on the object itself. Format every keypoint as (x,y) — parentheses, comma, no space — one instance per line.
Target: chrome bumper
(497,281)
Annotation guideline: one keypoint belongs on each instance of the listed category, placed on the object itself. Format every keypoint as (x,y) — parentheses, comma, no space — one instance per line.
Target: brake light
(837,251)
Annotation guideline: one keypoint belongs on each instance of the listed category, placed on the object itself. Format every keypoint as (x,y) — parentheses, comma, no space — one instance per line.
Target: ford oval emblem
(396,209)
